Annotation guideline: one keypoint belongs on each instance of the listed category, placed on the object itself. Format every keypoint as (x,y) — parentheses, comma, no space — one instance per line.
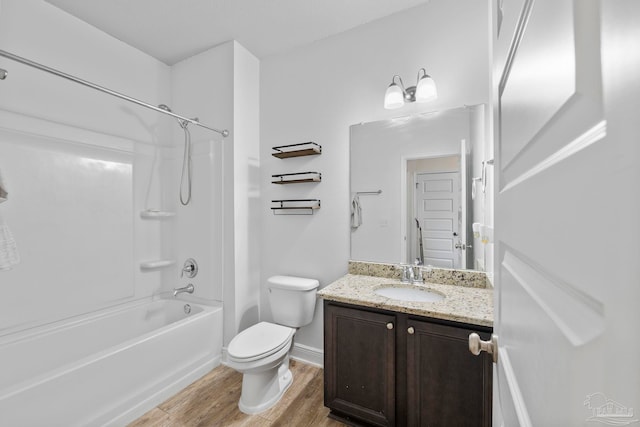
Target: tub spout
(188,289)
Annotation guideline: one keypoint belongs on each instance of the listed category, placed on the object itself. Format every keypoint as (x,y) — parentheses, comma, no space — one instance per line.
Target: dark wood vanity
(386,368)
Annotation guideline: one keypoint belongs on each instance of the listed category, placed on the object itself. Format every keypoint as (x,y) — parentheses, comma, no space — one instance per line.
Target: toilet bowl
(261,352)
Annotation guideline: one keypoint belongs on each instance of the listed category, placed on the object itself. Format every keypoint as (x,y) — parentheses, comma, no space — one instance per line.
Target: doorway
(434,212)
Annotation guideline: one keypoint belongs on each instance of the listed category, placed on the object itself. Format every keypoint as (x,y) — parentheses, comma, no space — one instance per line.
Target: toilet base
(262,390)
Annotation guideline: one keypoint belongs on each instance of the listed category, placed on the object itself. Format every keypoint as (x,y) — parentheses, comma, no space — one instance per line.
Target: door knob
(410,330)
(477,345)
(389,325)
(460,245)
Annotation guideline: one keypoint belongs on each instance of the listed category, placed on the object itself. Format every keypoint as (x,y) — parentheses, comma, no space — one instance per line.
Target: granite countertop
(464,304)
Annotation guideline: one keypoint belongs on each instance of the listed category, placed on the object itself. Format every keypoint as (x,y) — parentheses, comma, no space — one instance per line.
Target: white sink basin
(409,294)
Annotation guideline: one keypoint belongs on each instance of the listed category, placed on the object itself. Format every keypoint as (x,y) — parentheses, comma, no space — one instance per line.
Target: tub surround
(467,299)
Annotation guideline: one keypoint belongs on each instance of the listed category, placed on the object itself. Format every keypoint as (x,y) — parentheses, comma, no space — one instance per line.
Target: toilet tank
(292,300)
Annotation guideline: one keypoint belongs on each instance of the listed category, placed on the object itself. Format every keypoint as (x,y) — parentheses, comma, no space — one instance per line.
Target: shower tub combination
(109,367)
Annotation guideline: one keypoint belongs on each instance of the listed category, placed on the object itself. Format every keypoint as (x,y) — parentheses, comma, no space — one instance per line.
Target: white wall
(221,229)
(246,184)
(86,148)
(43,33)
(316,92)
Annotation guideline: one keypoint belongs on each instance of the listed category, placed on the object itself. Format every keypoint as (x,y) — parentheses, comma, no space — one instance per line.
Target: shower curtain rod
(53,71)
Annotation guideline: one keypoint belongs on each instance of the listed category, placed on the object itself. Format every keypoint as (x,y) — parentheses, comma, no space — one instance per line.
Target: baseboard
(303,353)
(306,354)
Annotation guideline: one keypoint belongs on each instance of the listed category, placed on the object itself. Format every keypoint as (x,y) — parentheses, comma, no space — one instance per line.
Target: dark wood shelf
(297,178)
(307,206)
(296,181)
(295,208)
(297,150)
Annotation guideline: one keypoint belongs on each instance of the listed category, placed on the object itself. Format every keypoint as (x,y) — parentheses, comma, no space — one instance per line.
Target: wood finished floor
(213,401)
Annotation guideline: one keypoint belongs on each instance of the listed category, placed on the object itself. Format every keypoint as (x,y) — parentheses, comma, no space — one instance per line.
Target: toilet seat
(259,341)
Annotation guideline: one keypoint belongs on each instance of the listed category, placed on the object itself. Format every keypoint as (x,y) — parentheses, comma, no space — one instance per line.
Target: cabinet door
(446,384)
(359,364)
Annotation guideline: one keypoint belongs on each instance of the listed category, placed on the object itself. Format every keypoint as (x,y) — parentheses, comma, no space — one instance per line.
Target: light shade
(426,89)
(394,98)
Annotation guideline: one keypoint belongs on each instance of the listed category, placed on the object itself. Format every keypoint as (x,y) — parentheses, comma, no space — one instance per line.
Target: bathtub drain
(187,309)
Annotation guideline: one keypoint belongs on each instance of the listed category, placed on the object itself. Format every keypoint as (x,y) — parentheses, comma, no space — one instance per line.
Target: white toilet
(261,352)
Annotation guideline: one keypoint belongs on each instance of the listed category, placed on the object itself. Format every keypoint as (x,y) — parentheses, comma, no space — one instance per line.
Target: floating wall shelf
(297,150)
(155,214)
(297,178)
(156,264)
(296,206)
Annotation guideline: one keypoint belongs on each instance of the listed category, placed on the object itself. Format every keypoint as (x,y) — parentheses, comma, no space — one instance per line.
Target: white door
(437,209)
(567,210)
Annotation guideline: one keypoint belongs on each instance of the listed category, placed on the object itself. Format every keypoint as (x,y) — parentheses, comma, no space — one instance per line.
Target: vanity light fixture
(423,91)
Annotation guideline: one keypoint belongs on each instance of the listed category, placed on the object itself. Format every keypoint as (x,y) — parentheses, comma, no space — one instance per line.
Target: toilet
(261,352)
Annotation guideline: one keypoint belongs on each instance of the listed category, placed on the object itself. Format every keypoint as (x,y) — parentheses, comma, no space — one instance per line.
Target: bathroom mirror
(417,184)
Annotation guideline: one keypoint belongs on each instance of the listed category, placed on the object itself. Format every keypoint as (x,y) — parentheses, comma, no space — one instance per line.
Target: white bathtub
(106,368)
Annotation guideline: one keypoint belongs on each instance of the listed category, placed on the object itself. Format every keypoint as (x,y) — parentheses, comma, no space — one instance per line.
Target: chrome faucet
(188,289)
(407,274)
(416,277)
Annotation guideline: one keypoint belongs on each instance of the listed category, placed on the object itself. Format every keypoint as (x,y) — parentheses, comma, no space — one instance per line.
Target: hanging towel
(356,212)
(9,255)
(3,191)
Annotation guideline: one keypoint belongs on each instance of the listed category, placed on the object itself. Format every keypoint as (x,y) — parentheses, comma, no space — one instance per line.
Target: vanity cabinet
(446,384)
(385,368)
(359,364)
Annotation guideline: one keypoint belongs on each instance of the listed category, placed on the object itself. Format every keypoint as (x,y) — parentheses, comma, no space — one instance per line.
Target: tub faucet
(188,289)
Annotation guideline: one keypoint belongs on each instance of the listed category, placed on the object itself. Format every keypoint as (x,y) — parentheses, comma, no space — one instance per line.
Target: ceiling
(172,30)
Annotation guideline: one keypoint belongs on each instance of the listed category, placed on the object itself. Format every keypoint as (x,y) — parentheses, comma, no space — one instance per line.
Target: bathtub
(107,368)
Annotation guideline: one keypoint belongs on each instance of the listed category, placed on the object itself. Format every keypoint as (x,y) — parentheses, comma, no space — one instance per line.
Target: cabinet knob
(477,345)
(389,325)
(410,330)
